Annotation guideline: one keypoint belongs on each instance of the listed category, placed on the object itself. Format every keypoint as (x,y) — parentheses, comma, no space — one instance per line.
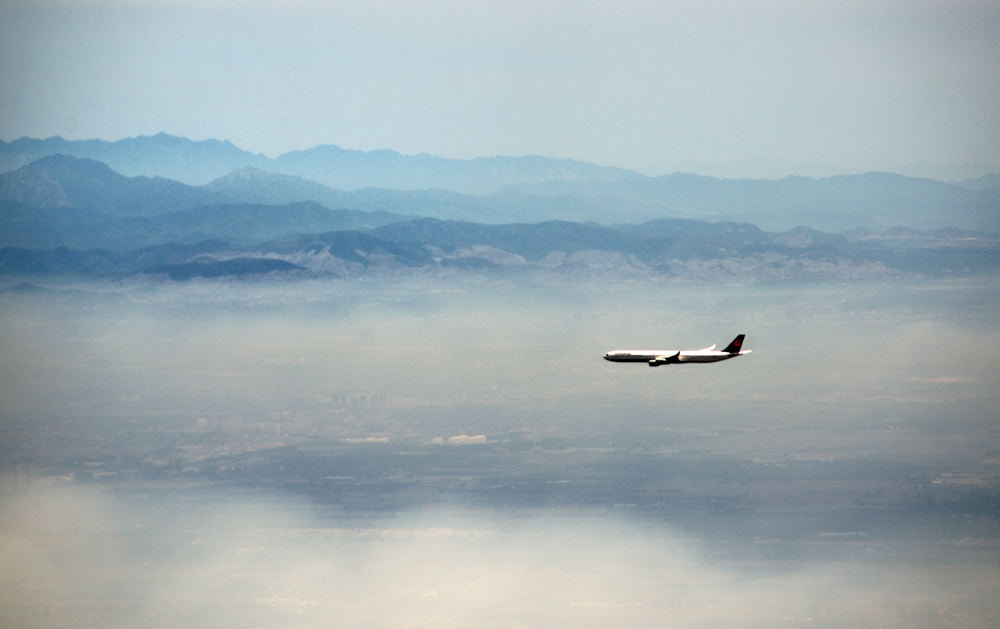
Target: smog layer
(457,454)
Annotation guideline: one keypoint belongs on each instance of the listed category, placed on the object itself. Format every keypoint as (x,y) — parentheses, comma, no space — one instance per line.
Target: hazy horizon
(748,90)
(729,169)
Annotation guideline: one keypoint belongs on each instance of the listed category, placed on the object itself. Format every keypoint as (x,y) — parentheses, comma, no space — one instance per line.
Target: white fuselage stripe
(646,355)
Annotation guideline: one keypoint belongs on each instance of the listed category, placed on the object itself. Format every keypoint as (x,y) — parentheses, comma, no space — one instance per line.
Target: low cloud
(77,557)
(461,440)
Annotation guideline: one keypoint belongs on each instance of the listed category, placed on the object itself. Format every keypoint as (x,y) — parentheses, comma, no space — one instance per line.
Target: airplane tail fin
(736,345)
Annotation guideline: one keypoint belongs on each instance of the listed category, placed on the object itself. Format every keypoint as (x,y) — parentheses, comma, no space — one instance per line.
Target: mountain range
(832,204)
(198,162)
(64,215)
(671,248)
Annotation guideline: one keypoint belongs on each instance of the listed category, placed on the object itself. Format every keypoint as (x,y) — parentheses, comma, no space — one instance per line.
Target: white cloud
(81,557)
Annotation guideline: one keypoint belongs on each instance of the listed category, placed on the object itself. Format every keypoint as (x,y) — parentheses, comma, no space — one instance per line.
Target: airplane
(657,357)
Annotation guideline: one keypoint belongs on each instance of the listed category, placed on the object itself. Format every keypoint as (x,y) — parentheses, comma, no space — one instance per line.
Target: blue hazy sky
(749,86)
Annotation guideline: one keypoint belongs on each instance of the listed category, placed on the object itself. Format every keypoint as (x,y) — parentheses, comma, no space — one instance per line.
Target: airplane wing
(663,359)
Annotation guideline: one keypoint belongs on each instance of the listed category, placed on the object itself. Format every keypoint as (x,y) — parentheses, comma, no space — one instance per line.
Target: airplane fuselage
(657,357)
(668,356)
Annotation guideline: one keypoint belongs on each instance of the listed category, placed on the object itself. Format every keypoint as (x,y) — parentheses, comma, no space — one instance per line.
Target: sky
(758,87)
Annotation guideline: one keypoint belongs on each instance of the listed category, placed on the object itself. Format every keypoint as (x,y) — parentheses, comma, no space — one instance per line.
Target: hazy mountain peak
(68,163)
(199,161)
(162,154)
(256,185)
(328,149)
(67,181)
(57,181)
(164,136)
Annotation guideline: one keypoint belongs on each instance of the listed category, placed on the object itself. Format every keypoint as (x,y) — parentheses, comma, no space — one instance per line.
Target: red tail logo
(734,347)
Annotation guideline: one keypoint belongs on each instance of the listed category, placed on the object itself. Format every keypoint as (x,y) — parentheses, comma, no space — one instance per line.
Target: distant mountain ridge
(190,161)
(242,224)
(65,181)
(830,203)
(833,204)
(76,216)
(668,248)
(198,162)
(68,201)
(351,170)
(253,185)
